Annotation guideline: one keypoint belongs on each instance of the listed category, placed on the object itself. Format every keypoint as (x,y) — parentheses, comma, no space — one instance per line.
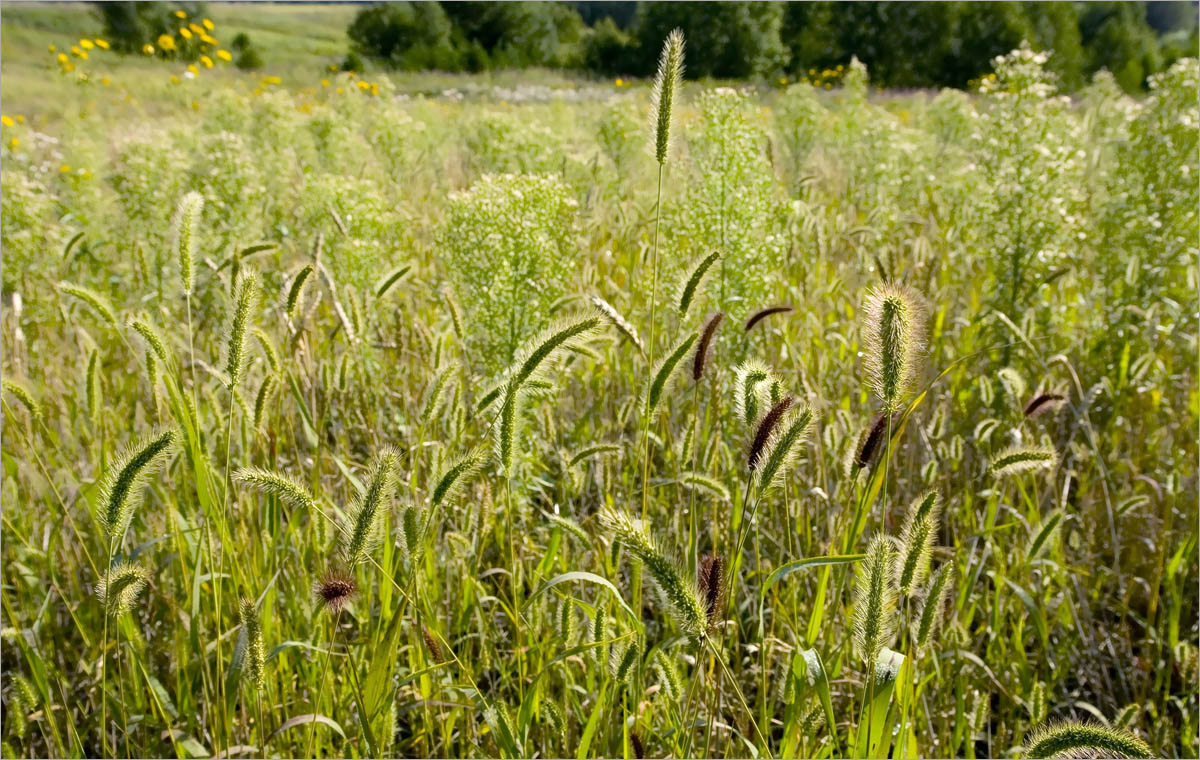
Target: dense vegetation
(601,420)
(904,44)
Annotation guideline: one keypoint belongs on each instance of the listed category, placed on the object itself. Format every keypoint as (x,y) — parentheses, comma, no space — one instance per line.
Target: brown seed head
(702,348)
(762,314)
(765,428)
(712,585)
(335,590)
(1043,403)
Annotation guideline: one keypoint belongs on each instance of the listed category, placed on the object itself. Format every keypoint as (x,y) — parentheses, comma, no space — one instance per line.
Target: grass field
(457,416)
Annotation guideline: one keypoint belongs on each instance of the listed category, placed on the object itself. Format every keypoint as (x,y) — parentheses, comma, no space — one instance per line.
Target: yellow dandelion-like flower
(20,119)
(374,88)
(148,49)
(828,86)
(51,48)
(196,28)
(75,50)
(208,24)
(6,121)
(195,105)
(783,80)
(620,82)
(105,81)
(86,44)
(224,55)
(62,58)
(68,67)
(185,33)
(102,44)
(324,82)
(208,39)
(192,68)
(174,79)
(812,72)
(166,42)
(273,80)
(208,62)
(180,14)
(339,91)
(363,85)
(65,168)
(13,143)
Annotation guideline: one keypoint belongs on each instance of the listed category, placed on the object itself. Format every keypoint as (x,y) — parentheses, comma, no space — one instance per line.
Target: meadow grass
(465,424)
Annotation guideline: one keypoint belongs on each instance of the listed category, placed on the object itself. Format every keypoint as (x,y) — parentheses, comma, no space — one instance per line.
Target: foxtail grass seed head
(623,659)
(565,622)
(783,449)
(91,383)
(893,343)
(618,321)
(668,676)
(874,600)
(458,475)
(335,590)
(667,83)
(916,542)
(235,349)
(250,645)
(871,441)
(680,593)
(664,374)
(750,381)
(120,587)
(704,345)
(692,285)
(1075,739)
(929,620)
(764,431)
(762,314)
(296,290)
(369,507)
(278,485)
(262,398)
(120,485)
(1018,459)
(97,302)
(1037,703)
(391,278)
(268,349)
(152,339)
(432,647)
(15,390)
(185,229)
(1044,403)
(712,586)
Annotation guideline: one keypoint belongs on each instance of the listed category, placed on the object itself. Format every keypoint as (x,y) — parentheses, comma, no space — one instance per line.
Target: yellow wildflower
(65,169)
(620,82)
(339,91)
(196,28)
(324,82)
(102,44)
(208,39)
(166,42)
(148,49)
(6,121)
(272,80)
(86,44)
(20,119)
(174,79)
(374,88)
(192,68)
(208,24)
(68,67)
(180,14)
(62,58)
(208,63)
(224,55)
(185,33)
(105,81)
(363,85)
(13,143)
(51,48)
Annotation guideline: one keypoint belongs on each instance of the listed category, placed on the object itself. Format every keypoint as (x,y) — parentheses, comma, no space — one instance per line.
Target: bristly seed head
(765,428)
(712,586)
(762,314)
(185,228)
(893,342)
(705,344)
(247,294)
(870,443)
(335,590)
(667,83)
(1044,403)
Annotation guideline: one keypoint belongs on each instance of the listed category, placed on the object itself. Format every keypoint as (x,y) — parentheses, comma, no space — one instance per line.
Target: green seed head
(667,83)
(893,343)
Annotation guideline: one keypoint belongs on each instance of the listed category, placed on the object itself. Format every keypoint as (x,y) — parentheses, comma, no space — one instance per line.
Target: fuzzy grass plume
(120,587)
(185,227)
(249,652)
(1018,459)
(667,83)
(893,343)
(916,542)
(875,600)
(680,593)
(704,345)
(278,485)
(367,512)
(691,286)
(664,373)
(618,321)
(929,619)
(120,486)
(783,448)
(750,381)
(1074,739)
(235,347)
(97,302)
(762,314)
(23,397)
